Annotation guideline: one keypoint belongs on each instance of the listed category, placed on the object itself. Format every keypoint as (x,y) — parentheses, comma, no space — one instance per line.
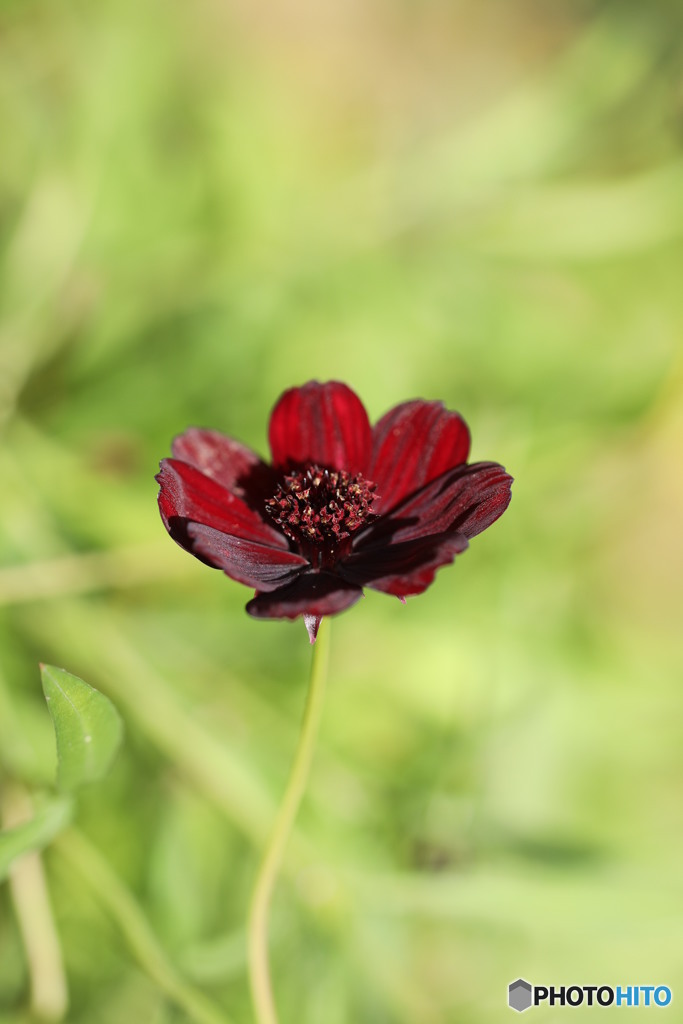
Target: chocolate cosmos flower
(342,506)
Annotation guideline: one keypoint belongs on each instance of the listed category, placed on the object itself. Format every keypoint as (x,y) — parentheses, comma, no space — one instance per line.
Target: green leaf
(34,834)
(87,725)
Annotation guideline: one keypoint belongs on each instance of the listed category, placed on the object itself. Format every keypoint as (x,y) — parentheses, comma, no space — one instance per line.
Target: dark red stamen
(318,505)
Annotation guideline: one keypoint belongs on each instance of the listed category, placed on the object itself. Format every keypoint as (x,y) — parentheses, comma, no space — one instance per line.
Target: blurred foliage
(202,204)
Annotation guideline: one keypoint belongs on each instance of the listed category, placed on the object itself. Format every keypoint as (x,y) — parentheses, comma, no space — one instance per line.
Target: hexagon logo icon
(519,995)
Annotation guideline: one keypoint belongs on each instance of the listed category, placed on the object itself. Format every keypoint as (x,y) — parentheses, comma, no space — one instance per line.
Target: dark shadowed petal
(403,569)
(314,594)
(258,565)
(229,463)
(187,495)
(468,499)
(324,424)
(411,445)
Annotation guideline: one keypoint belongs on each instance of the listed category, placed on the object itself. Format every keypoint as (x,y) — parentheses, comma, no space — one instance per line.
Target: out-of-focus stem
(31,900)
(259,971)
(127,566)
(117,899)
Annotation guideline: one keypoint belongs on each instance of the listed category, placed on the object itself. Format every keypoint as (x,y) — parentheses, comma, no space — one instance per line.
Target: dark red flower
(342,506)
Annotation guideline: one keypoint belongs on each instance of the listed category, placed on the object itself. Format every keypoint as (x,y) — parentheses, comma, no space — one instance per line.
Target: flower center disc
(318,505)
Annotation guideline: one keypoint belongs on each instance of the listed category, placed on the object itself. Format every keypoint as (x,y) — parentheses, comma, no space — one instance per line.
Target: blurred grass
(202,205)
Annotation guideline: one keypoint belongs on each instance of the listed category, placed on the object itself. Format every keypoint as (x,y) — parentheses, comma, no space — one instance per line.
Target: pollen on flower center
(319,505)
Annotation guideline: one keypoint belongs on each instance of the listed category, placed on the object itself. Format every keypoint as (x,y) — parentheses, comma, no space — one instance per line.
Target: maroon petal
(403,569)
(411,445)
(258,565)
(314,594)
(323,424)
(228,462)
(188,495)
(468,499)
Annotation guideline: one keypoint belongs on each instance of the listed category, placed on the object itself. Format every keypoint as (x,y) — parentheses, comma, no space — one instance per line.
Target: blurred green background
(203,204)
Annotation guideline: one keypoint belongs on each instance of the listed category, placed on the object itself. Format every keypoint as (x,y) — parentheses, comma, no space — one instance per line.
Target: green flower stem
(31,899)
(257,937)
(117,899)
